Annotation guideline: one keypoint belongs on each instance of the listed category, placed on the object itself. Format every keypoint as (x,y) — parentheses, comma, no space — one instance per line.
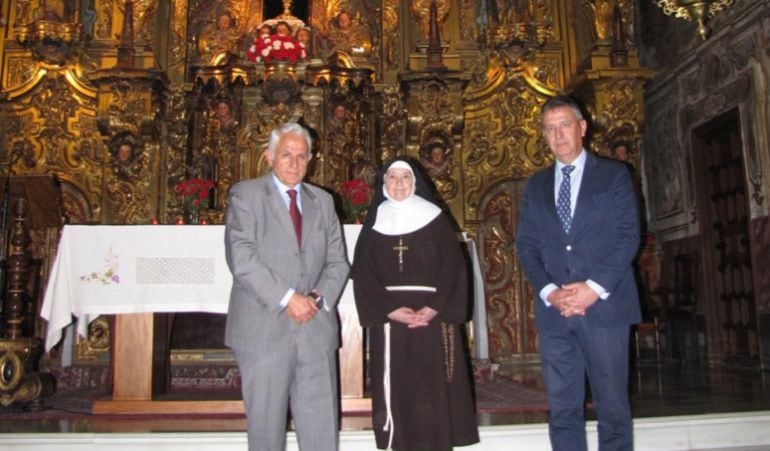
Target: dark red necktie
(296,217)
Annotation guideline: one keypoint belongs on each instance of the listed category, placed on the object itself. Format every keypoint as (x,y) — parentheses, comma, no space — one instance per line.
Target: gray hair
(560,102)
(288,127)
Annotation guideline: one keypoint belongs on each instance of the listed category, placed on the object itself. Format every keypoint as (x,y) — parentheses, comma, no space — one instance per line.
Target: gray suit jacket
(265,261)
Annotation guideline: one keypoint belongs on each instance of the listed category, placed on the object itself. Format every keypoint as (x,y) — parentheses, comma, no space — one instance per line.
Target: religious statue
(53,11)
(421,13)
(363,169)
(124,155)
(281,45)
(436,161)
(602,10)
(302,36)
(337,117)
(217,40)
(434,157)
(338,137)
(348,36)
(224,115)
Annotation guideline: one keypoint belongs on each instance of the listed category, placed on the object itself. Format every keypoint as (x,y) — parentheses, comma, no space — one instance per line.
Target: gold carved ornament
(512,332)
(618,115)
(54,132)
(421,14)
(515,33)
(501,139)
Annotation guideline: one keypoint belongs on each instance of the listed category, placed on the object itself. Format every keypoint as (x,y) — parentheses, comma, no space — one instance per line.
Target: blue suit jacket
(601,244)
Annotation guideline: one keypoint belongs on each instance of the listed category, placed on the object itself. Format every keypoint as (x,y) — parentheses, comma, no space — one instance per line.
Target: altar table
(136,271)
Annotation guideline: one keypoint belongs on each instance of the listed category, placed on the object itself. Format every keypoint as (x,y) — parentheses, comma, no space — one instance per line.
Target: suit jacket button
(569,248)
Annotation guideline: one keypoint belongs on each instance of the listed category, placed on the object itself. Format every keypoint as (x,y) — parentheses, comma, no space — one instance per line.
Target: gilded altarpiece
(501,149)
(51,127)
(121,137)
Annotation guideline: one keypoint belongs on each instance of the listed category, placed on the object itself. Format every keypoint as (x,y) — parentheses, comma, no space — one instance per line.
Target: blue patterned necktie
(563,208)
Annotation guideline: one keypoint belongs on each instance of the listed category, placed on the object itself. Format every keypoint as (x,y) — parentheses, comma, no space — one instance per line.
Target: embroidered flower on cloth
(276,48)
(108,275)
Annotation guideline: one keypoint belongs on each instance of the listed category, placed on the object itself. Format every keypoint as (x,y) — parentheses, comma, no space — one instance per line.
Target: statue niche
(218,39)
(436,157)
(345,38)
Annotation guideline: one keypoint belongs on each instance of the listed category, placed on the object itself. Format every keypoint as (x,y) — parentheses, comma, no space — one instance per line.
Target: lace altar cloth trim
(175,270)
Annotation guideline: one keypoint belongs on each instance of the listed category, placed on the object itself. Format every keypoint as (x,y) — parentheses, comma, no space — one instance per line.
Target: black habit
(431,394)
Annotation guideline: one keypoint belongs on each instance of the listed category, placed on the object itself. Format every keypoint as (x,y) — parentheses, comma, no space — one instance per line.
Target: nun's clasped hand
(413,319)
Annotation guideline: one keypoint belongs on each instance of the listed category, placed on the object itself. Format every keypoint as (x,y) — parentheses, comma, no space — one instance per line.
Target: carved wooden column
(18,354)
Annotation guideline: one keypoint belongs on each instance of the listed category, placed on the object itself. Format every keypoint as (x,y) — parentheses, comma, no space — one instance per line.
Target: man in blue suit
(578,233)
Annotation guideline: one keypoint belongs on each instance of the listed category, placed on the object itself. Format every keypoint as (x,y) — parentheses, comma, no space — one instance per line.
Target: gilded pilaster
(129,105)
(393,117)
(615,101)
(175,133)
(434,130)
(177,41)
(610,79)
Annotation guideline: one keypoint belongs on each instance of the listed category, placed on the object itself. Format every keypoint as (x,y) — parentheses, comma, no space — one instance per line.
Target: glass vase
(192,216)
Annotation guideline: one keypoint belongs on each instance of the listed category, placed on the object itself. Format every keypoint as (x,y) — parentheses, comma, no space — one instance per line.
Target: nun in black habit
(410,283)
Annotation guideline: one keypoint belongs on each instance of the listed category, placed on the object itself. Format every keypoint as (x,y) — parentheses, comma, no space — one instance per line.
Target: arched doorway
(728,299)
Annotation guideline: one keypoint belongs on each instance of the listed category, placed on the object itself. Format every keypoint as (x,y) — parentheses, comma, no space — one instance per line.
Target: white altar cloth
(102,270)
(134,269)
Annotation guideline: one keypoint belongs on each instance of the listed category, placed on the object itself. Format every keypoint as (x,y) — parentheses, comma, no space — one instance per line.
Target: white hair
(288,127)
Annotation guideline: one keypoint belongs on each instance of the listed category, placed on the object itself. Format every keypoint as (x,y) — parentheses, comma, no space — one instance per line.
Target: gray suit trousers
(271,383)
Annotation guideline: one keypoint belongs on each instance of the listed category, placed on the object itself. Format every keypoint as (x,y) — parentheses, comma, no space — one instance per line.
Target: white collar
(406,216)
(578,162)
(283,188)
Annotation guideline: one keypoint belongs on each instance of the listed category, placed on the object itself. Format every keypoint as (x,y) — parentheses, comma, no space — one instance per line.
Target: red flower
(195,192)
(355,198)
(276,48)
(356,190)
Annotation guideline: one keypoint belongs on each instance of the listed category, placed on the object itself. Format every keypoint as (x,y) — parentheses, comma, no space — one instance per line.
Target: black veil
(423,188)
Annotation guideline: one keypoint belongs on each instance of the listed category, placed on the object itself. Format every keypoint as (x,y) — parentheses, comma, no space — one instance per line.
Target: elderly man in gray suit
(286,253)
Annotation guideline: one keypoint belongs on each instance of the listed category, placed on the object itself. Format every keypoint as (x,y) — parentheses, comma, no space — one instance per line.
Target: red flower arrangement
(276,47)
(195,192)
(355,199)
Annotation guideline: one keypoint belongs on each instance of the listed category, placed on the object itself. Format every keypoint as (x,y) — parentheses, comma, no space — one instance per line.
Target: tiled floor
(675,408)
(680,390)
(668,390)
